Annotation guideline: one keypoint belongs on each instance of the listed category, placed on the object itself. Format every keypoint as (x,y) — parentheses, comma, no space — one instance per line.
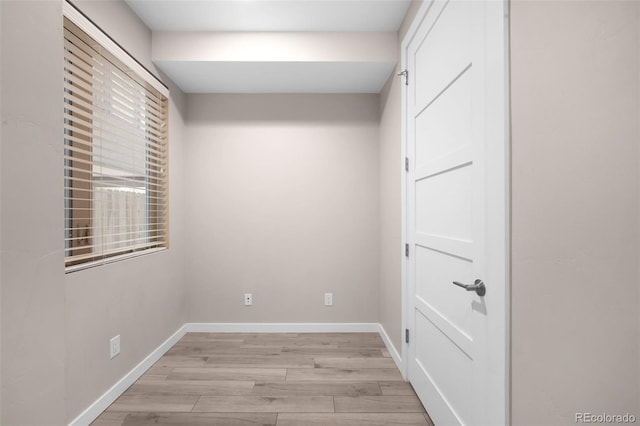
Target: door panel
(455,384)
(445,51)
(433,278)
(447,121)
(443,204)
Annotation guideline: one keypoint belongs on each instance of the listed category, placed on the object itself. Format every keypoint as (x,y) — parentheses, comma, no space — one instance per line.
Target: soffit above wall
(276,62)
(274,46)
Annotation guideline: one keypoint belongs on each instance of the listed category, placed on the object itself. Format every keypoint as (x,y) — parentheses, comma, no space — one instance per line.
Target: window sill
(89,265)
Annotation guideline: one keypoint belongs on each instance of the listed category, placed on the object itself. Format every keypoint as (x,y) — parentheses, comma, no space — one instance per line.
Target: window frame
(85,24)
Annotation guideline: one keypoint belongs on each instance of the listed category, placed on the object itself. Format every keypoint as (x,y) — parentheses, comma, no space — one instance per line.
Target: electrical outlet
(248,299)
(328,299)
(114,346)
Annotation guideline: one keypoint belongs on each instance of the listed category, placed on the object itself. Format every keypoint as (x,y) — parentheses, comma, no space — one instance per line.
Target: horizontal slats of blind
(115,155)
(86,62)
(82,258)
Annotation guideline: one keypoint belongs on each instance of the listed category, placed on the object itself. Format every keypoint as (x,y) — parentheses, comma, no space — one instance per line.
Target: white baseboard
(101,404)
(348,327)
(395,355)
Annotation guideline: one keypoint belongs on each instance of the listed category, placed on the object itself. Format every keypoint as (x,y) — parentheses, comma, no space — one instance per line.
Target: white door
(456,210)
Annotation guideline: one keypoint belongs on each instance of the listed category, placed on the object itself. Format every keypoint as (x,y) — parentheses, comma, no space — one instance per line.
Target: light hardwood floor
(270,379)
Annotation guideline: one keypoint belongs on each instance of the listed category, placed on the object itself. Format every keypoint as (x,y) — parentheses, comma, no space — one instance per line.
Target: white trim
(408,37)
(248,327)
(395,355)
(88,27)
(94,410)
(404,261)
(502,171)
(508,172)
(103,402)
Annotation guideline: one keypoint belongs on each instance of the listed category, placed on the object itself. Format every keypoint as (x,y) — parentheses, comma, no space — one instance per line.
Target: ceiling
(271,15)
(260,75)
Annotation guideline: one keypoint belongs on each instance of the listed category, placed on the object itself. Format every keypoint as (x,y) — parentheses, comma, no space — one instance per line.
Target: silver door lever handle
(478,286)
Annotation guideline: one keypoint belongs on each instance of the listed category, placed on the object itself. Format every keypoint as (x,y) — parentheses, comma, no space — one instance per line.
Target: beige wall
(391,166)
(282,202)
(56,327)
(33,347)
(575,225)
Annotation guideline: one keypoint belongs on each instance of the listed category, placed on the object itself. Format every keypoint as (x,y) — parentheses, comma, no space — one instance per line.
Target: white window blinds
(115,155)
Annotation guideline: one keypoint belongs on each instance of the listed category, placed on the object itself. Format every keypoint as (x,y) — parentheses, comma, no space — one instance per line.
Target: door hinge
(406,335)
(405,73)
(406,164)
(406,249)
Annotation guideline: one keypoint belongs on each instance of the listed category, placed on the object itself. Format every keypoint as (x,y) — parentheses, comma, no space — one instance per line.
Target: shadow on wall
(282,107)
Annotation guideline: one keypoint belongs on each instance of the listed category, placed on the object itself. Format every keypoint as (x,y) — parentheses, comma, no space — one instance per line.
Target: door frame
(499,170)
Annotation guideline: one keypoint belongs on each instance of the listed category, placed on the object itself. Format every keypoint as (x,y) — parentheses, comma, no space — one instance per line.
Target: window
(115,152)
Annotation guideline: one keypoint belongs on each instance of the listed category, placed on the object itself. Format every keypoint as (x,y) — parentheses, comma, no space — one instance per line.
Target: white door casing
(456,209)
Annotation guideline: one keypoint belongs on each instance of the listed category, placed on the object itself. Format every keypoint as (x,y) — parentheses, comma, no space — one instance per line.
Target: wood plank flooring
(341,379)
